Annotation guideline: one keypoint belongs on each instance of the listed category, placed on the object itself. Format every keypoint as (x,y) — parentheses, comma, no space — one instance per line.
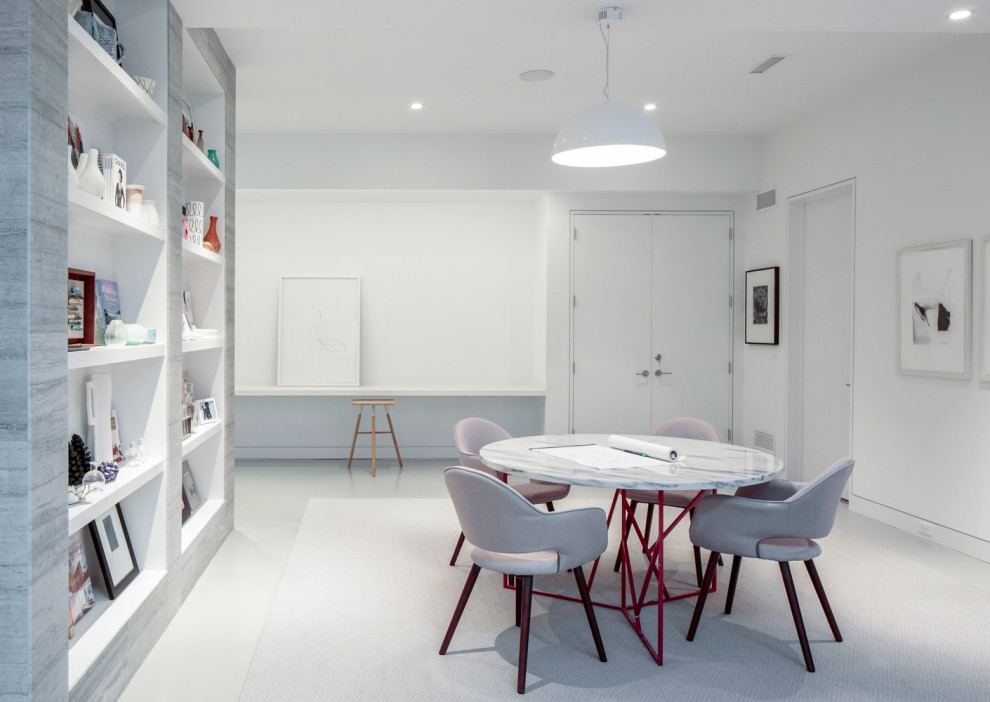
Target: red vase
(212,240)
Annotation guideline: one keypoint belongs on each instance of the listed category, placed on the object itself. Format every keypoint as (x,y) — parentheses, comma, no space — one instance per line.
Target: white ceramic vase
(73,176)
(91,179)
(98,417)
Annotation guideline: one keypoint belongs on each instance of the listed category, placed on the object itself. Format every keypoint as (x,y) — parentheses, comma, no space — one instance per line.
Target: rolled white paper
(643,448)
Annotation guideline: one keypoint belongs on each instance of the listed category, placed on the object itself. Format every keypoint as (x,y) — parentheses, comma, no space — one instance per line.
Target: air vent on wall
(765,441)
(768,64)
(766,200)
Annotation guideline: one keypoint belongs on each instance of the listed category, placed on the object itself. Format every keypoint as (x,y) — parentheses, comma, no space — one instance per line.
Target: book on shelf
(107,307)
(81,598)
(115,175)
(190,494)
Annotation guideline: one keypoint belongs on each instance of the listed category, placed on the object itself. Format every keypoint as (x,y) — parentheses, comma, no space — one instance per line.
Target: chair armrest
(730,524)
(773,490)
(578,536)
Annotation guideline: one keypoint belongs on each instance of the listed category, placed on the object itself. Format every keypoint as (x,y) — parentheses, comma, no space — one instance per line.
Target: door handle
(645,374)
(659,372)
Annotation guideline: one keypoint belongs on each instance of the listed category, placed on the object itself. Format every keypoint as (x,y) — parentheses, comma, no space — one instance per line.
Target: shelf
(196,166)
(200,436)
(197,254)
(202,345)
(198,521)
(106,619)
(108,355)
(383,391)
(97,216)
(96,80)
(130,478)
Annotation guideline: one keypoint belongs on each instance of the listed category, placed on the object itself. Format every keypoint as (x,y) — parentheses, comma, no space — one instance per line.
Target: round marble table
(702,465)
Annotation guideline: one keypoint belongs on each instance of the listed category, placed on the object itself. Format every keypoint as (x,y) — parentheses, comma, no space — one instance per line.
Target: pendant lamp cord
(605,37)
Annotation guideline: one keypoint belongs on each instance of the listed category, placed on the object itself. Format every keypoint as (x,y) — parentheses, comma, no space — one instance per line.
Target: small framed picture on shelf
(191,499)
(206,411)
(80,308)
(762,306)
(114,550)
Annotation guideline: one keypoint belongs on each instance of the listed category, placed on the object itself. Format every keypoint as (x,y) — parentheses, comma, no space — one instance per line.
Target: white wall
(919,149)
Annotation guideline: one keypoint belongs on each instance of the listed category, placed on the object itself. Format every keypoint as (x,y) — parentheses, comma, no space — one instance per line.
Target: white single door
(611,330)
(692,319)
(649,285)
(828,324)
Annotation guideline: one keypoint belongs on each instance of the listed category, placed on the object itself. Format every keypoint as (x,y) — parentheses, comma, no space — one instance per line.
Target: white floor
(205,653)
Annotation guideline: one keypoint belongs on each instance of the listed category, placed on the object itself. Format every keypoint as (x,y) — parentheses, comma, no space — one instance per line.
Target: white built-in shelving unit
(116,115)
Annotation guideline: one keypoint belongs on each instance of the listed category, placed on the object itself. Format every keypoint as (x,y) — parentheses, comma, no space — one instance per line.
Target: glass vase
(116,334)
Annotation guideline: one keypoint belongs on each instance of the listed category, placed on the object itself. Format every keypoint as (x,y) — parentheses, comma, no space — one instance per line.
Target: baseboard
(335,453)
(943,536)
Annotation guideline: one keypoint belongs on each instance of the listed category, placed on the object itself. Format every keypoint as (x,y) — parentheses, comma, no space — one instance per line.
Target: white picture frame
(934,309)
(206,411)
(319,331)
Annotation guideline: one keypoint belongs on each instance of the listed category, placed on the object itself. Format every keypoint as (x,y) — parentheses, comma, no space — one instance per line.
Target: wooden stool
(373,403)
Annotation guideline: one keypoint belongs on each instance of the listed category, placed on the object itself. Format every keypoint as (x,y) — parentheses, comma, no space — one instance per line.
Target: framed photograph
(763,306)
(985,346)
(319,331)
(81,308)
(114,550)
(206,411)
(191,499)
(81,598)
(933,307)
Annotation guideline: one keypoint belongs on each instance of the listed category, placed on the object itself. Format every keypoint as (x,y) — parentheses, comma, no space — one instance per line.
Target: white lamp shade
(608,134)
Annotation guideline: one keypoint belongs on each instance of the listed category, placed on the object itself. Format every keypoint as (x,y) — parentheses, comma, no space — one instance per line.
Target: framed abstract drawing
(763,306)
(934,301)
(114,550)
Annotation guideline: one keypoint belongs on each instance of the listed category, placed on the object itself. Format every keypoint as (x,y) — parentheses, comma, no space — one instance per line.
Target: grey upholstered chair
(776,522)
(470,435)
(682,428)
(513,537)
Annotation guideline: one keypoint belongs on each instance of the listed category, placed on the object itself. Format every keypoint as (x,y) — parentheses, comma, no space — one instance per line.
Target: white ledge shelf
(97,216)
(198,521)
(383,391)
(201,345)
(108,355)
(130,478)
(97,80)
(200,436)
(198,254)
(196,166)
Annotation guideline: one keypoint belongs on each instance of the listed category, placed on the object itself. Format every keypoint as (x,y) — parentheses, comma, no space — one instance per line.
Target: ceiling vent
(768,64)
(766,200)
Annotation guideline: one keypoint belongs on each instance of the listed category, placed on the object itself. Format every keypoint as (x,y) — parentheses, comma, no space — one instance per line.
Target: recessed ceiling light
(649,107)
(416,106)
(536,75)
(961,15)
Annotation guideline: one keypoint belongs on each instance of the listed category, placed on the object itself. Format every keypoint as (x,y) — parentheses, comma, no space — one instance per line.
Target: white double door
(651,322)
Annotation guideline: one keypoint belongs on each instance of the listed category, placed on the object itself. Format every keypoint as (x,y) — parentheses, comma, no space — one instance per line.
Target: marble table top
(704,465)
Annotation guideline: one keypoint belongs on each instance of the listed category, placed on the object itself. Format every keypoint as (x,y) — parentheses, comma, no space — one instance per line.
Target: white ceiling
(354,67)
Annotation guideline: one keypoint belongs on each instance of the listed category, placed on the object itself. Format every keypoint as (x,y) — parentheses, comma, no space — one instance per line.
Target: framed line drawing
(763,306)
(114,550)
(319,331)
(934,301)
(985,327)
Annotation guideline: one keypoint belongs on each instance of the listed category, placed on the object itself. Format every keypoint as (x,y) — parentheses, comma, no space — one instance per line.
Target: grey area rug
(367,594)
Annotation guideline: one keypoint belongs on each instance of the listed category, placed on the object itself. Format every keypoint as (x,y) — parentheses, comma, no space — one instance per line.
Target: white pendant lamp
(609,133)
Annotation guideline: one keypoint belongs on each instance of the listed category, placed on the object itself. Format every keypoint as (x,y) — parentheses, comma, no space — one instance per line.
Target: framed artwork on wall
(319,331)
(934,309)
(763,306)
(114,550)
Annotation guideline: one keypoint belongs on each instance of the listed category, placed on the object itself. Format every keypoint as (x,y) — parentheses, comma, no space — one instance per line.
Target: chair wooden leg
(733,577)
(706,584)
(527,601)
(518,597)
(549,506)
(589,610)
(697,565)
(465,594)
(357,425)
(817,582)
(625,534)
(457,549)
(785,571)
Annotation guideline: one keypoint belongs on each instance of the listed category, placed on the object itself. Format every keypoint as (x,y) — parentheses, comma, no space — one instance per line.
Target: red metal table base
(634,597)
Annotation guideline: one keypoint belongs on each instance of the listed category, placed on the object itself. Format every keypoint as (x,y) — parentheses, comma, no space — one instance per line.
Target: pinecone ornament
(80,460)
(109,470)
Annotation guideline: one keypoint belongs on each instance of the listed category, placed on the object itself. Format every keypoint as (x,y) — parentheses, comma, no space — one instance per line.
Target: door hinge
(574,301)
(730,302)
(730,367)
(575,233)
(730,233)
(730,435)
(573,367)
